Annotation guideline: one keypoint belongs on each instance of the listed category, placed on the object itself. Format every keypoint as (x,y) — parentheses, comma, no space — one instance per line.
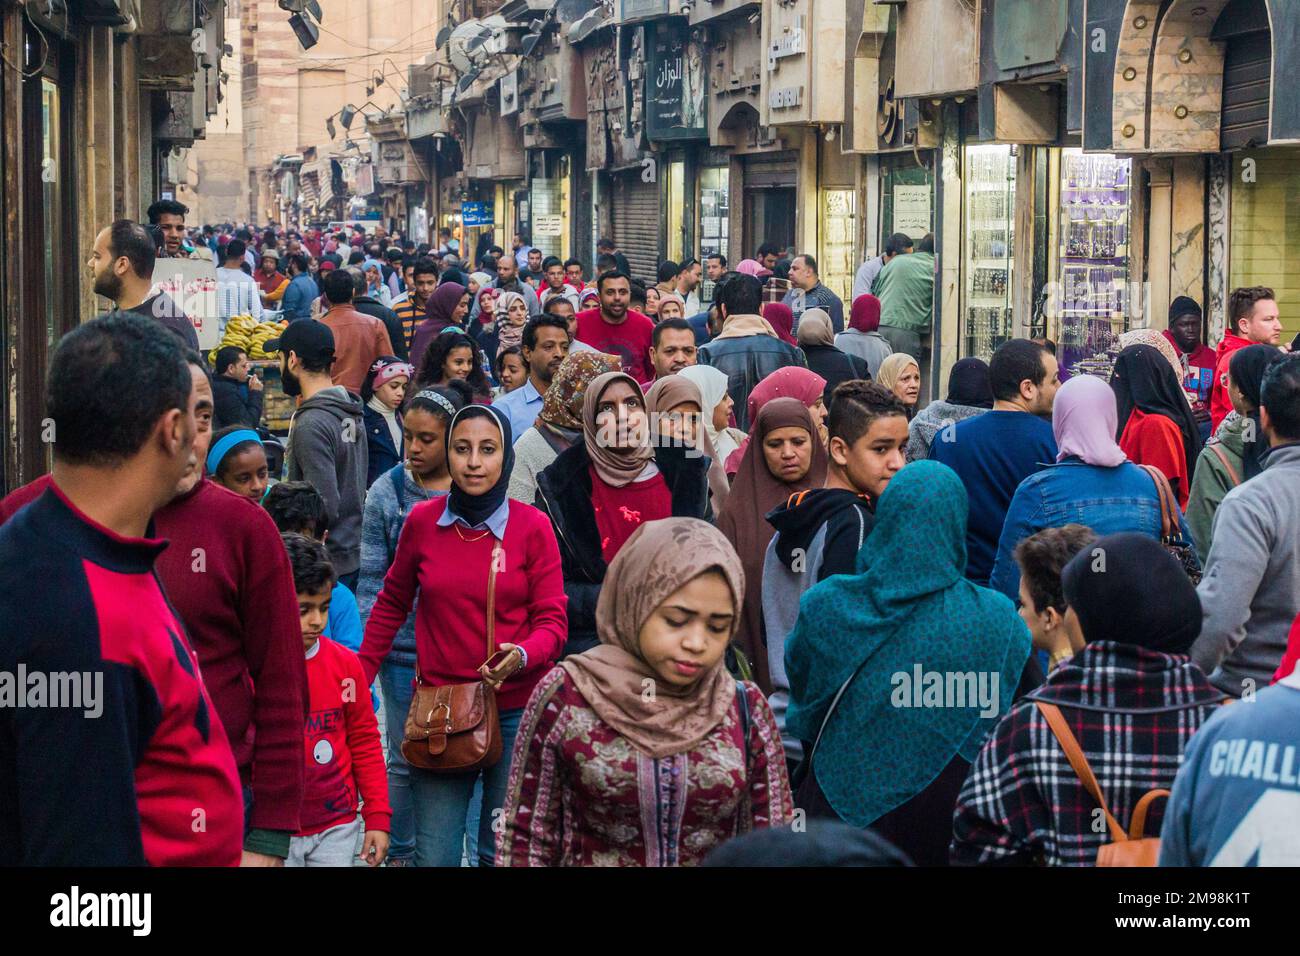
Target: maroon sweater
(450,574)
(228,576)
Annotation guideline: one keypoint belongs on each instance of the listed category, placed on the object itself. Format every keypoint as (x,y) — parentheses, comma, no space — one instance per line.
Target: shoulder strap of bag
(835,701)
(1168,523)
(1074,753)
(742,701)
(398,478)
(1220,454)
(497,554)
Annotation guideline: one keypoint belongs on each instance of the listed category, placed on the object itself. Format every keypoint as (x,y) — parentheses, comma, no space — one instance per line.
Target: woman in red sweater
(1156,424)
(444,555)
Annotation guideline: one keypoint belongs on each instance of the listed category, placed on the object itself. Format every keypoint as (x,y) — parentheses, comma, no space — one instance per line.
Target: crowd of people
(563,566)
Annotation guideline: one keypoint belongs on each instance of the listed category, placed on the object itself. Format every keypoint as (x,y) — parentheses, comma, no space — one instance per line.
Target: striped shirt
(237,294)
(410,315)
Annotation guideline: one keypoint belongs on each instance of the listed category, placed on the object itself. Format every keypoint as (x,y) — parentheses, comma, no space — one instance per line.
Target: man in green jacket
(905,288)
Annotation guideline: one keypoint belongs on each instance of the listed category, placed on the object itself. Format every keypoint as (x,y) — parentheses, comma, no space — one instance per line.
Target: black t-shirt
(166,311)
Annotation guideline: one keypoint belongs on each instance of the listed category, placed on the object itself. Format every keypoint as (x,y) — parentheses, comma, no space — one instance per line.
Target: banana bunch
(245,332)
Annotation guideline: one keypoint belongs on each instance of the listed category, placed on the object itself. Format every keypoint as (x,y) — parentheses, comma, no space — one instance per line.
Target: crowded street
(621,434)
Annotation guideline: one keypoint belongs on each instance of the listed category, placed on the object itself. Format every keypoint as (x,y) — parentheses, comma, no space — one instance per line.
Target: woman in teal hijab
(927,662)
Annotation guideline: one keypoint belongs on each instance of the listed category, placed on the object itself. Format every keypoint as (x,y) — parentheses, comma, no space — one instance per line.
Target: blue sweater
(992,454)
(1236,798)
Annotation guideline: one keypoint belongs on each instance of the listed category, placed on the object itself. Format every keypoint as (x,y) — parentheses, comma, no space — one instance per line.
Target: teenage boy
(343,756)
(1042,557)
(819,532)
(296,507)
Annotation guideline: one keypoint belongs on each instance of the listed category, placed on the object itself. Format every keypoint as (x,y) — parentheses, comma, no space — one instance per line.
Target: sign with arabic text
(676,84)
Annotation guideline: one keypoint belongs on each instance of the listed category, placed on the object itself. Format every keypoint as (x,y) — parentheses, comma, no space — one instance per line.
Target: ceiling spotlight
(308,33)
(370,89)
(378,78)
(346,115)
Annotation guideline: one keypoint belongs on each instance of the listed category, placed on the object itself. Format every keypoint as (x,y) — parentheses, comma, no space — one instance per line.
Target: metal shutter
(636,223)
(1247,66)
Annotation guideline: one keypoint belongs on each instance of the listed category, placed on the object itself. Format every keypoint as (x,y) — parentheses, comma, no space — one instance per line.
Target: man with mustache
(545,344)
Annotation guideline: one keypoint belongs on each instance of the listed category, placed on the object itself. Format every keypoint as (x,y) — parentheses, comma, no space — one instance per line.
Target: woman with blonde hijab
(716,409)
(604,774)
(901,374)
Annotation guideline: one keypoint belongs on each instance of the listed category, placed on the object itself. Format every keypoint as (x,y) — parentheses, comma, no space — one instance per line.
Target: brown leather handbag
(454,728)
(1133,848)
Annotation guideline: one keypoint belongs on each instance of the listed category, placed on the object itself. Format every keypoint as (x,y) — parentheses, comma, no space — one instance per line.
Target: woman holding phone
(461,554)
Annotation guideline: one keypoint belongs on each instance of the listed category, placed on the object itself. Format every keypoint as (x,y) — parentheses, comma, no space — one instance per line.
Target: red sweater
(630,340)
(1220,403)
(228,577)
(620,511)
(1155,440)
(450,575)
(343,754)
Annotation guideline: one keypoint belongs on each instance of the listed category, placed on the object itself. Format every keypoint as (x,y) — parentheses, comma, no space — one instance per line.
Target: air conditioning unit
(419,80)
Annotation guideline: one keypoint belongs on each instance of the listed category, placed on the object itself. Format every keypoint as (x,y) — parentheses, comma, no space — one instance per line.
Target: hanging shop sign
(675,84)
(192,285)
(912,210)
(476,214)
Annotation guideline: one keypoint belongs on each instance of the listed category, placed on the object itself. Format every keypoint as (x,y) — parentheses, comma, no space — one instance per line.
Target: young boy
(819,532)
(1041,557)
(297,507)
(343,753)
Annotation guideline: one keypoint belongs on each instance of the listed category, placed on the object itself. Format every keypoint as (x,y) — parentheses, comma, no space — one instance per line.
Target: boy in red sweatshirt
(343,752)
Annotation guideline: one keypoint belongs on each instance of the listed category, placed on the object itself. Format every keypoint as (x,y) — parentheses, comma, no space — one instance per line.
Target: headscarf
(969,384)
(588,295)
(792,381)
(750,267)
(478,508)
(481,278)
(673,297)
(453,275)
(1157,341)
(369,264)
(908,609)
(562,404)
(712,384)
(781,317)
(1143,379)
(508,334)
(893,367)
(1083,421)
(437,316)
(615,467)
(660,557)
(1139,595)
(666,394)
(754,492)
(1246,367)
(815,328)
(864,314)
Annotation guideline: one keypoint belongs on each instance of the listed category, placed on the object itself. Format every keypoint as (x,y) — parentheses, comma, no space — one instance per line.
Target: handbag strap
(1074,753)
(1219,453)
(742,701)
(1168,523)
(835,701)
(497,554)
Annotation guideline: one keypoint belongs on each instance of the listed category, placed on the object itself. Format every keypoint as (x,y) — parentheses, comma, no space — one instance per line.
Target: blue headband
(227,442)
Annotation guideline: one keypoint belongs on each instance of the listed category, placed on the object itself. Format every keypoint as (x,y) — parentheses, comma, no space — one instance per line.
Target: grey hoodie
(1250,594)
(327,447)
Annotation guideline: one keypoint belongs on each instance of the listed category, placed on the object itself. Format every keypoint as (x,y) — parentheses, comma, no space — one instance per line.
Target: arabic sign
(912,210)
(676,91)
(476,214)
(192,285)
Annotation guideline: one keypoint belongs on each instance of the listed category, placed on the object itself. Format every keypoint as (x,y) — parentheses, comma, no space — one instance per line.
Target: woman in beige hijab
(901,374)
(644,751)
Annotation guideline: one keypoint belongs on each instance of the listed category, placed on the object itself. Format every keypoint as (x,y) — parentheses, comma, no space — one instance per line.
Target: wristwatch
(523,659)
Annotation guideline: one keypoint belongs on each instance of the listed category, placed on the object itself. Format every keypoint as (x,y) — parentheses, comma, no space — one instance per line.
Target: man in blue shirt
(1236,799)
(545,344)
(302,291)
(992,453)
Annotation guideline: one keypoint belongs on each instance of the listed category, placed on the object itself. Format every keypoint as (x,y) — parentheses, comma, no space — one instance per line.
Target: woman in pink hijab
(789,382)
(1092,482)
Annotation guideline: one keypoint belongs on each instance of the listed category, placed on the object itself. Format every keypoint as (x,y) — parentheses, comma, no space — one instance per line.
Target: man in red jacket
(1253,318)
(226,574)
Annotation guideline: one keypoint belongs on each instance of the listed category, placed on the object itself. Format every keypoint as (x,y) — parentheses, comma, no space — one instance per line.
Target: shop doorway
(769,217)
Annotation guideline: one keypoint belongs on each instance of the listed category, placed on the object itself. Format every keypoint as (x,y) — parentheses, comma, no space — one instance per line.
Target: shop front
(988,248)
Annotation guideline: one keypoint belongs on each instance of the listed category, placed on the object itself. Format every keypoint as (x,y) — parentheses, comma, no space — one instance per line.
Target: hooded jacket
(564,494)
(1220,403)
(1215,476)
(327,447)
(818,533)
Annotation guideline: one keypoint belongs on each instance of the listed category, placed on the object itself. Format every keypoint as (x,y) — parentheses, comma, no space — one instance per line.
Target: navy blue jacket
(379,443)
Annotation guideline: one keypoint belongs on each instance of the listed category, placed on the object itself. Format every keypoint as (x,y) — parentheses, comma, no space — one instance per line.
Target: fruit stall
(247,333)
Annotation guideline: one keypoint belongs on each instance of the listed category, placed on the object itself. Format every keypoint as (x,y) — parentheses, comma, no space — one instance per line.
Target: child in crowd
(237,460)
(1041,557)
(383,390)
(297,507)
(510,370)
(343,753)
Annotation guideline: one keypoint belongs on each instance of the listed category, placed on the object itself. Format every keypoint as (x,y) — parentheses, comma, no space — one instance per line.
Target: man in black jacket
(369,305)
(236,390)
(747,348)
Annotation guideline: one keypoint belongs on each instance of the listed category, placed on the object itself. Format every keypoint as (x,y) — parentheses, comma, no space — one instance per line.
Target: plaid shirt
(1132,711)
(775,290)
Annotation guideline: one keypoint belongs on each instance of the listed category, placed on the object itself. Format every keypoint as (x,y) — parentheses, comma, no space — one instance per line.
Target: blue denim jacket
(1107,500)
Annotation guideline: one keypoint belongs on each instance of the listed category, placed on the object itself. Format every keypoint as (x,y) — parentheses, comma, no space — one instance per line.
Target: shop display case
(988,252)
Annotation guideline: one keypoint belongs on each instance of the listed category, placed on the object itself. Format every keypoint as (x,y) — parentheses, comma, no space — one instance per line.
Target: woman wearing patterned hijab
(559,425)
(651,779)
(861,656)
(600,490)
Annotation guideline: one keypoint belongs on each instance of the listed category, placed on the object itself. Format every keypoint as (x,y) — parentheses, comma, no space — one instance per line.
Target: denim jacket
(1107,500)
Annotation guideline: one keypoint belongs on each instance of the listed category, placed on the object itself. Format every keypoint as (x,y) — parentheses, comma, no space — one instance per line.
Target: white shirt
(237,294)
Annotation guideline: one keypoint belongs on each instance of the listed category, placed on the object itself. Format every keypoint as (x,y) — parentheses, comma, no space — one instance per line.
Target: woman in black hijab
(1246,370)
(970,393)
(968,384)
(1154,415)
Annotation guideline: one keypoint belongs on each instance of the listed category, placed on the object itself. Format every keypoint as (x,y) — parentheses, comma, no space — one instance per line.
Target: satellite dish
(464,42)
(467,80)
